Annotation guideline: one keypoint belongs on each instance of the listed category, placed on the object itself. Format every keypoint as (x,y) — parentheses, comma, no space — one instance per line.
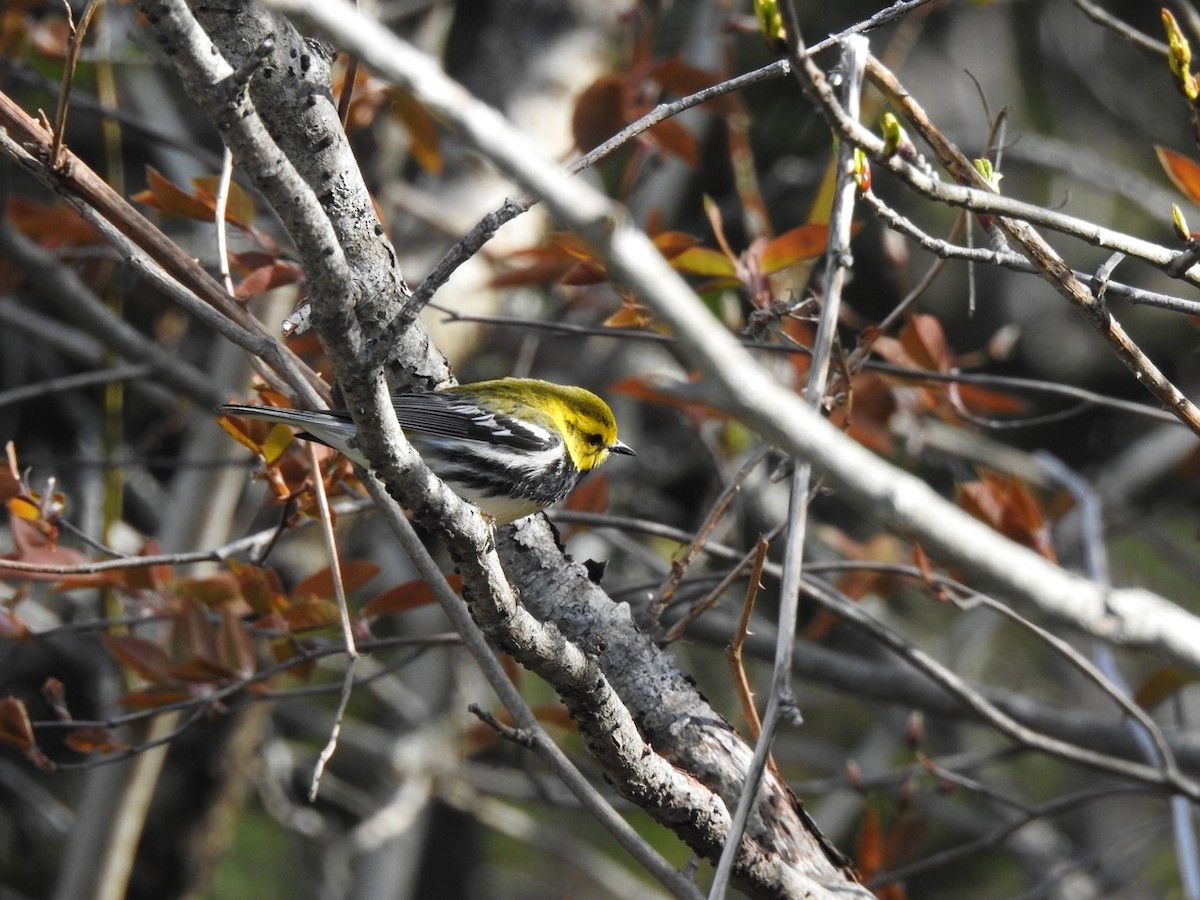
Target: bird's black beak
(623,449)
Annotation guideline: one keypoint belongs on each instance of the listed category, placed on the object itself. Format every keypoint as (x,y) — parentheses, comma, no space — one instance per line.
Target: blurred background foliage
(421,800)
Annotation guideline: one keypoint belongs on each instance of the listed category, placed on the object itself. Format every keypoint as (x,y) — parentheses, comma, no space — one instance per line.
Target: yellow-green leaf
(704,261)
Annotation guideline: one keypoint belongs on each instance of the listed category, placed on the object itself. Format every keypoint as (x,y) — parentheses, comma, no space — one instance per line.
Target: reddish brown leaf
(868,415)
(94,740)
(644,389)
(148,578)
(1019,504)
(573,245)
(213,590)
(681,79)
(537,265)
(355,573)
(1183,172)
(256,258)
(925,341)
(403,597)
(163,195)
(235,648)
(260,587)
(868,847)
(144,657)
(15,728)
(1164,683)
(879,548)
(98,579)
(276,274)
(599,112)
(671,243)
(34,542)
(201,670)
(585,273)
(315,614)
(630,315)
(51,226)
(239,205)
(368,96)
(671,137)
(591,496)
(1004,503)
(50,36)
(192,634)
(424,141)
(892,351)
(796,245)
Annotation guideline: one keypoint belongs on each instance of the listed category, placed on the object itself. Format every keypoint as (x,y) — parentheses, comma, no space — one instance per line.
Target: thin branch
(679,567)
(1101,16)
(676,631)
(733,650)
(75,36)
(326,754)
(915,376)
(780,700)
(74,382)
(222,200)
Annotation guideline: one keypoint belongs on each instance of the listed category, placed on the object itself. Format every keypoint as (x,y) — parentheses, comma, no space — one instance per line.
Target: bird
(510,446)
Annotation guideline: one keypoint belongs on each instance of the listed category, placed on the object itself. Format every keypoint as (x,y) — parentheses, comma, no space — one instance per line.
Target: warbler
(511,446)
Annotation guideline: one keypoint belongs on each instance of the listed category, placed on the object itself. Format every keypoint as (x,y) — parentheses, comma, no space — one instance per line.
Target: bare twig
(679,566)
(733,651)
(780,700)
(335,731)
(339,591)
(75,36)
(74,382)
(222,199)
(710,600)
(1102,17)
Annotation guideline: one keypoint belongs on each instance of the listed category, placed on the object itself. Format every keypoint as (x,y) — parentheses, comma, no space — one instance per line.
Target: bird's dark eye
(595,440)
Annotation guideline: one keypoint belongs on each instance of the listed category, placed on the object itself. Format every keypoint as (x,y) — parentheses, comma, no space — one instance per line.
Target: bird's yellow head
(586,424)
